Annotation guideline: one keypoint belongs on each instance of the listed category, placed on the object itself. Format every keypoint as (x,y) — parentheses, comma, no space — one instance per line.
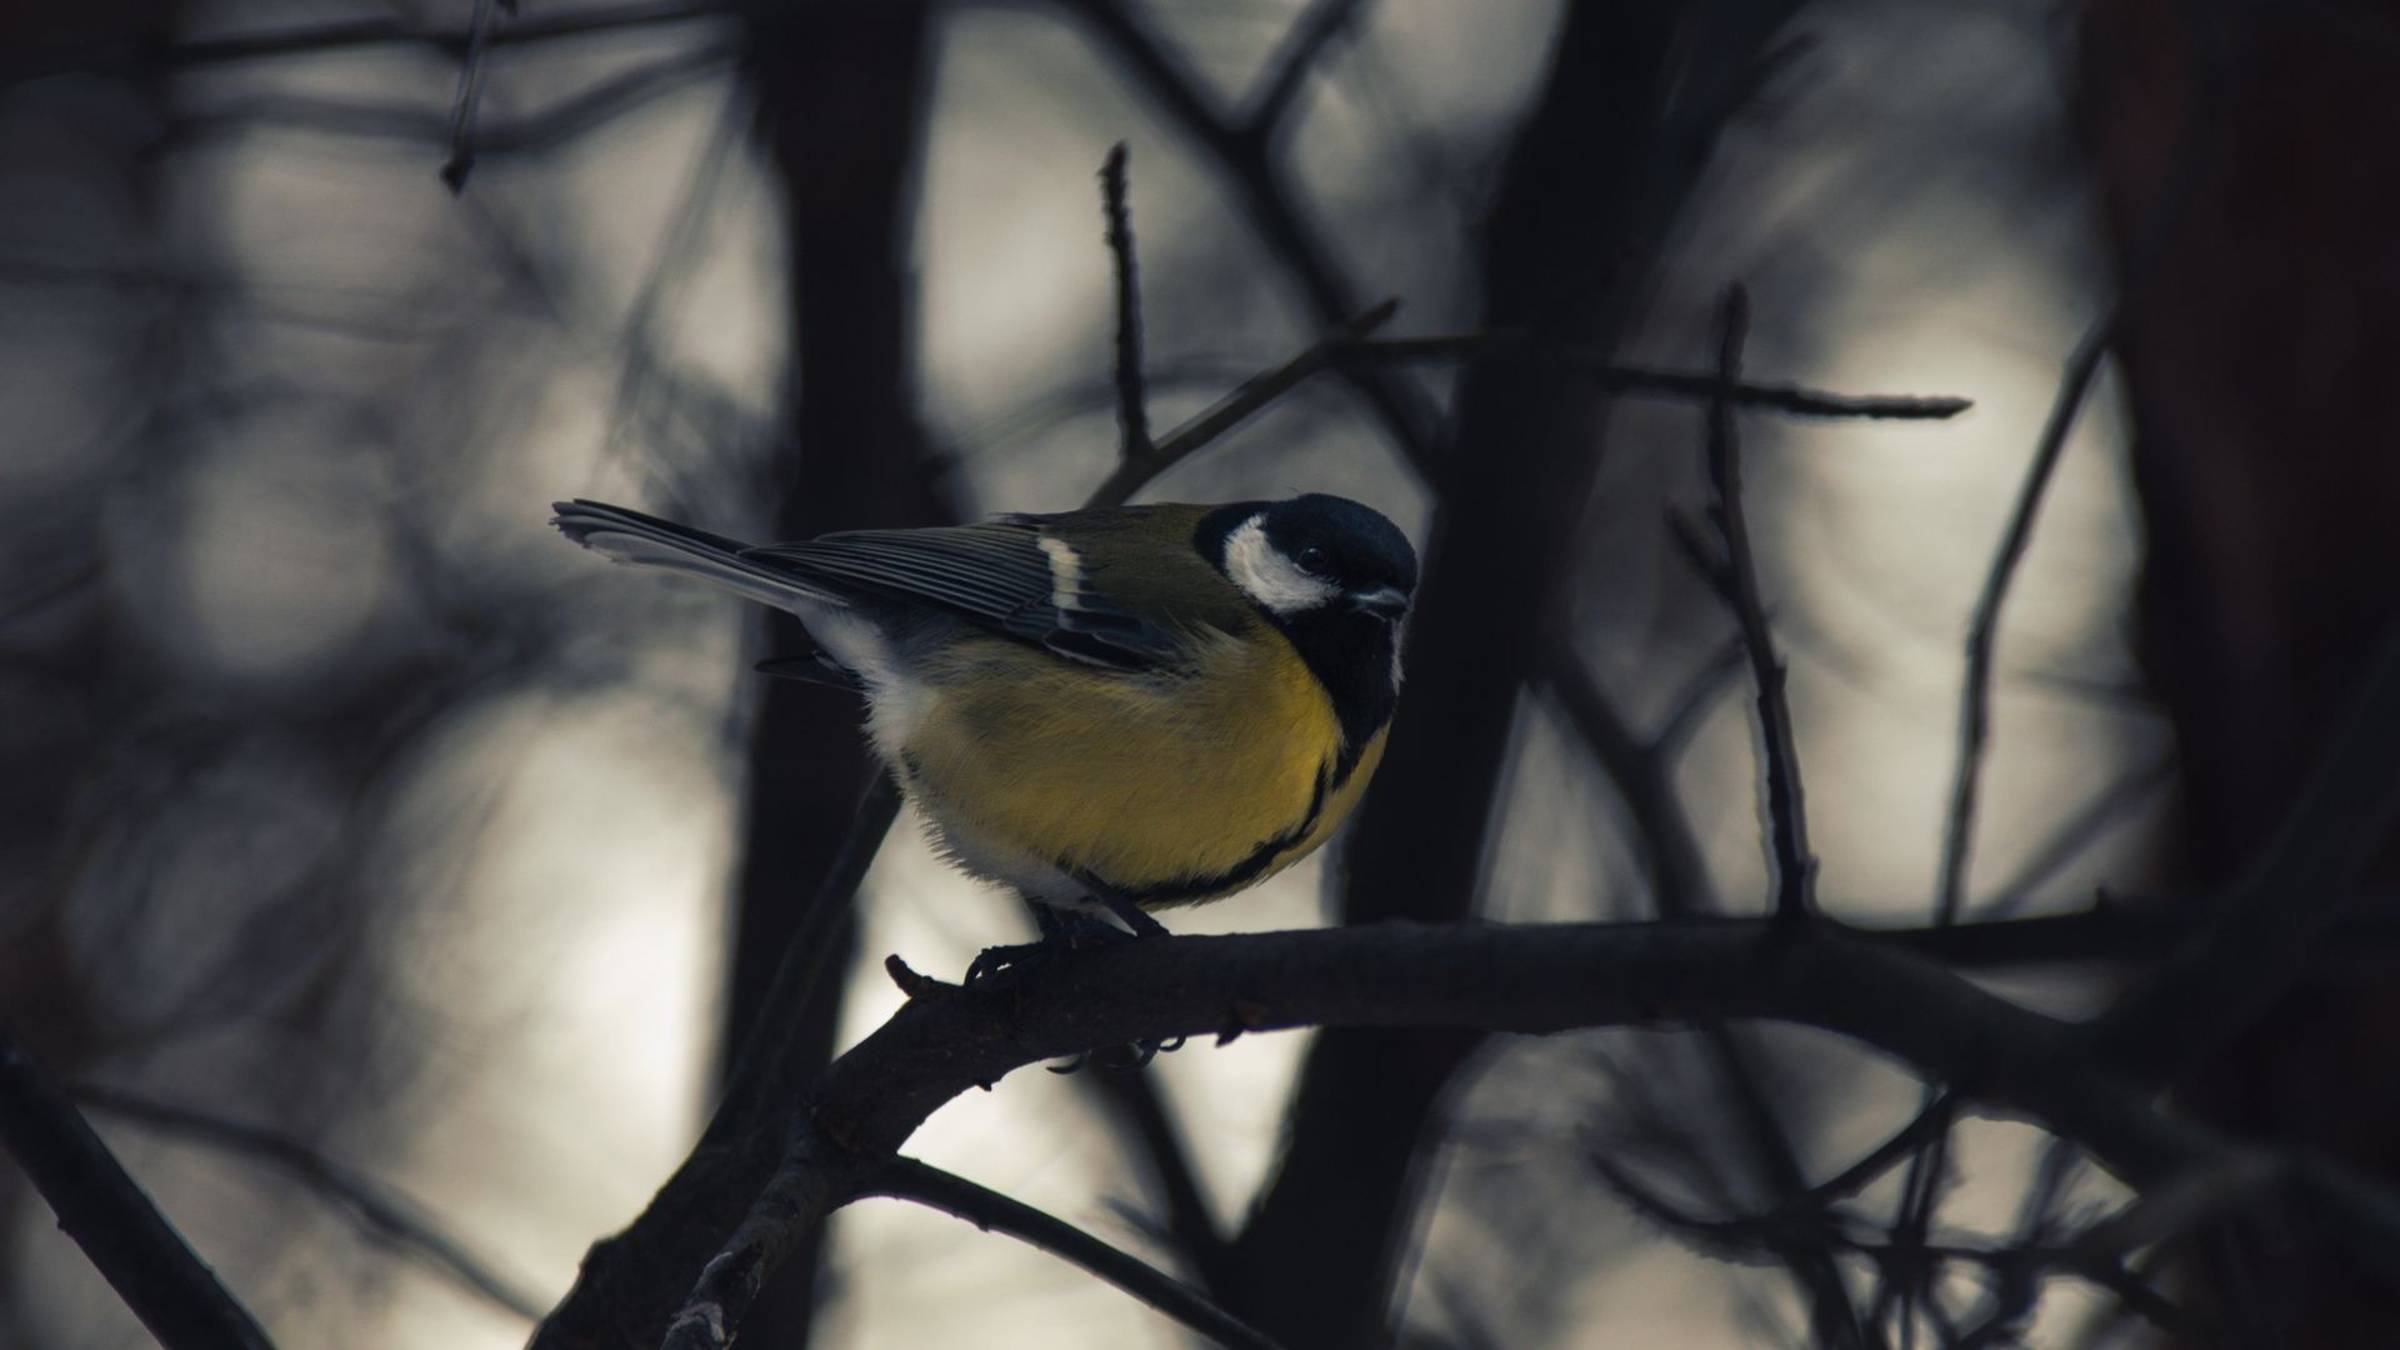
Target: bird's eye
(1312,560)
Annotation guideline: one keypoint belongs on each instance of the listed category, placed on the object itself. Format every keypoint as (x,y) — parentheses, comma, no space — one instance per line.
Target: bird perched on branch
(1112,710)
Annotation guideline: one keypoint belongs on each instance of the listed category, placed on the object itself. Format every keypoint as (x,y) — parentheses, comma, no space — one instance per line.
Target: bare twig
(1975,701)
(384,1216)
(1133,409)
(470,94)
(908,1179)
(1680,882)
(1143,1113)
(1787,816)
(1257,179)
(1603,370)
(1289,68)
(544,129)
(1229,412)
(2117,799)
(1645,784)
(351,35)
(1700,694)
(128,1241)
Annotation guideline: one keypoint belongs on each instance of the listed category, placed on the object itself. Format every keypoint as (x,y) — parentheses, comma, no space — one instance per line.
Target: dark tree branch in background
(1258,181)
(2254,940)
(1291,65)
(384,1217)
(470,95)
(128,1241)
(1975,701)
(324,39)
(1787,815)
(1930,1166)
(1608,374)
(1133,409)
(578,114)
(908,1179)
(2108,808)
(1253,395)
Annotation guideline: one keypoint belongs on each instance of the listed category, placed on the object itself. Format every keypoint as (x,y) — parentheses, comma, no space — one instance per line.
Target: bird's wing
(1012,576)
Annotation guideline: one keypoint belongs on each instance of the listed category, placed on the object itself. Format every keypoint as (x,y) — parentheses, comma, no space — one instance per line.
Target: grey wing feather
(997,575)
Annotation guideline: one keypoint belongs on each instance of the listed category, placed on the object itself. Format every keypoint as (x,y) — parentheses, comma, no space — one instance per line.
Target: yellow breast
(1171,788)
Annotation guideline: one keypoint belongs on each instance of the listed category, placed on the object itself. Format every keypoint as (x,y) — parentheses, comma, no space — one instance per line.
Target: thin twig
(575,115)
(2117,799)
(1257,179)
(1670,848)
(1787,816)
(908,1179)
(1975,702)
(1680,882)
(1188,1225)
(1603,370)
(351,35)
(1133,408)
(384,1216)
(1288,69)
(128,1241)
(470,94)
(1231,411)
(1699,694)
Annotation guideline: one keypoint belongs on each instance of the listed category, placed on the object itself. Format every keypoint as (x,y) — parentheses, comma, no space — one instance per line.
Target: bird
(1110,711)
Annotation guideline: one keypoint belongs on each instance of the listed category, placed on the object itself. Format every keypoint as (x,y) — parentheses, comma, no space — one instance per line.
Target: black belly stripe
(1240,874)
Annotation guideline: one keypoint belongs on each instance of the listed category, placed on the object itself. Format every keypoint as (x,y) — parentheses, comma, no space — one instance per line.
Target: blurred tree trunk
(841,90)
(2256,351)
(1616,140)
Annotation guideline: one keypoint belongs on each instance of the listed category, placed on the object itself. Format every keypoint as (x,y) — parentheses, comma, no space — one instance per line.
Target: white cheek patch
(1066,572)
(1267,576)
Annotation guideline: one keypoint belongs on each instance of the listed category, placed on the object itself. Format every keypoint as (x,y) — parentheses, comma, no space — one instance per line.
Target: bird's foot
(1124,1058)
(1015,956)
(1063,931)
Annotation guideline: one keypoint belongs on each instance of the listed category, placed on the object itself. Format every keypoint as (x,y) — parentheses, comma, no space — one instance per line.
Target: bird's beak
(1384,602)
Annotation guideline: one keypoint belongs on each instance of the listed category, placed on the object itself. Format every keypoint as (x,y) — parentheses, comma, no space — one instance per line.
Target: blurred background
(391,876)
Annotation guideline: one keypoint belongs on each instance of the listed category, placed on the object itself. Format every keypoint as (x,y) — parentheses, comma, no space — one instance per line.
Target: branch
(1232,410)
(1787,816)
(2090,823)
(323,39)
(1520,978)
(1601,369)
(470,95)
(1303,44)
(1680,881)
(127,1240)
(908,1179)
(1134,1099)
(384,1216)
(1407,415)
(1975,701)
(1133,411)
(572,116)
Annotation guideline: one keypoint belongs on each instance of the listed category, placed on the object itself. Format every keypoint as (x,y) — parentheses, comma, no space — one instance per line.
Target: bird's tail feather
(644,540)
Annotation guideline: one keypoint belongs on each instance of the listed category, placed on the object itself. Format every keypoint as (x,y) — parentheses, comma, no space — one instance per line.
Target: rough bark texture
(1615,141)
(2257,357)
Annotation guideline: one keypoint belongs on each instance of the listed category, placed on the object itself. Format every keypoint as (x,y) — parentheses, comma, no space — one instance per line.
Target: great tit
(1116,709)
